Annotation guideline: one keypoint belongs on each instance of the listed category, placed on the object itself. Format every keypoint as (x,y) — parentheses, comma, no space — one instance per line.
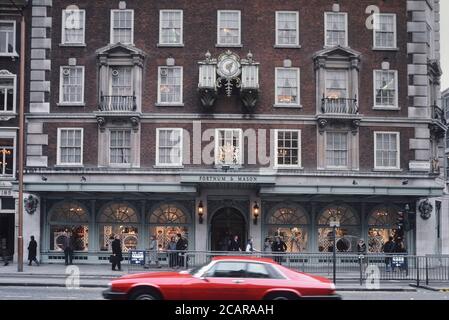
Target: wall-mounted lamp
(200,212)
(256,212)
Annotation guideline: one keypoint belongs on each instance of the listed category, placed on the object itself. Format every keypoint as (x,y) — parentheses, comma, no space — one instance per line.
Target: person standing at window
(32,251)
(68,248)
(235,244)
(116,253)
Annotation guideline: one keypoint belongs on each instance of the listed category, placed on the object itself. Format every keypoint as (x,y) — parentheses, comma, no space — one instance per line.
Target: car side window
(257,270)
(228,270)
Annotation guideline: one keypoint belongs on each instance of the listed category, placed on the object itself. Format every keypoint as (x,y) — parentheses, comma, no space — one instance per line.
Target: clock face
(229,68)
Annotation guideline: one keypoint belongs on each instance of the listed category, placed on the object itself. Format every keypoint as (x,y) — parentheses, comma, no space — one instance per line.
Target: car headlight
(110,285)
(333,287)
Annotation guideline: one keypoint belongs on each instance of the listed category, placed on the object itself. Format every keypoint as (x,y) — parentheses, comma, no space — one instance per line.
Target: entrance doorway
(7,231)
(225,224)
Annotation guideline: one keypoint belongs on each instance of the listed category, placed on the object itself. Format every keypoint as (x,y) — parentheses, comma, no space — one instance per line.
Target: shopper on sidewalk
(32,251)
(4,251)
(181,246)
(116,257)
(388,249)
(153,252)
(68,248)
(171,247)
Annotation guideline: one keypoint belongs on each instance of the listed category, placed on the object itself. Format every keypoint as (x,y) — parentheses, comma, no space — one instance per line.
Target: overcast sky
(445,43)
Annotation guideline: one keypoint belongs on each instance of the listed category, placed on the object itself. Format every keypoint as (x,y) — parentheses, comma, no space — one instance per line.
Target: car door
(260,278)
(224,281)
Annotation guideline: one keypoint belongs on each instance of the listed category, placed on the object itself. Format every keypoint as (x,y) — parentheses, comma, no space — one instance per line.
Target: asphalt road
(52,293)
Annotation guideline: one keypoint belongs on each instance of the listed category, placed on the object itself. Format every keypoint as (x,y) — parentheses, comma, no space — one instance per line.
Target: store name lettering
(244,179)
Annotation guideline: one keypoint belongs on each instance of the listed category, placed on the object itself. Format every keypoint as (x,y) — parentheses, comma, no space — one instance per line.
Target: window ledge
(5,116)
(387,170)
(169,104)
(170,45)
(9,55)
(76,45)
(286,46)
(228,45)
(160,166)
(385,108)
(288,106)
(385,49)
(71,104)
(288,168)
(68,166)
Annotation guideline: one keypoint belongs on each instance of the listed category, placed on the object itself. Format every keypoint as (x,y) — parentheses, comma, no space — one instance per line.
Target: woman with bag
(116,257)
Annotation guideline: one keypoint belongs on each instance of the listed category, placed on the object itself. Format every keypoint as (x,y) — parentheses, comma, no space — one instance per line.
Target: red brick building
(255,118)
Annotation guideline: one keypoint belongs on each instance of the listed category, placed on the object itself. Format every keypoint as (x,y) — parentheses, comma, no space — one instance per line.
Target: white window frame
(380,106)
(63,34)
(14,52)
(398,156)
(346,28)
(395,44)
(293,105)
(111,32)
(58,149)
(180,130)
(120,165)
(239,44)
(296,44)
(348,153)
(181,41)
(10,135)
(276,146)
(181,96)
(216,151)
(61,93)
(8,75)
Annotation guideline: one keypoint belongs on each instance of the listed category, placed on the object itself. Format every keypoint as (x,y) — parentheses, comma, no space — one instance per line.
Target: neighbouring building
(10,23)
(255,118)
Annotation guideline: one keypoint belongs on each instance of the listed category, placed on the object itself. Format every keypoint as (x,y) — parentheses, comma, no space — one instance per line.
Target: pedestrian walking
(172,256)
(181,245)
(279,247)
(116,257)
(234,245)
(4,251)
(68,248)
(388,248)
(32,251)
(153,256)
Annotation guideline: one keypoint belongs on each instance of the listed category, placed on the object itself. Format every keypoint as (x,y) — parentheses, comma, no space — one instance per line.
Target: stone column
(32,227)
(201,229)
(255,230)
(426,238)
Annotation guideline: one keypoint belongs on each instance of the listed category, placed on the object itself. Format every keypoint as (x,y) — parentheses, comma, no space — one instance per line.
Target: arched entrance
(226,223)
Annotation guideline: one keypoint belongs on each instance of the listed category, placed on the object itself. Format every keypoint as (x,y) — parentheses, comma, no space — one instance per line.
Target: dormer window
(122,26)
(336,29)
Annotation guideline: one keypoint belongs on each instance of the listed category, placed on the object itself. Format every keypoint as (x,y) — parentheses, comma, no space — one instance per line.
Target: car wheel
(282,296)
(144,295)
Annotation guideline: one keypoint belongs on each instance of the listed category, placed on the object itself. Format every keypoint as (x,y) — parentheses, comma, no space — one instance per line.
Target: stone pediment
(120,50)
(337,52)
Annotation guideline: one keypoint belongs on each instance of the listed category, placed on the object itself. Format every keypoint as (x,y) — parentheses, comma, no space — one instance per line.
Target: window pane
(384,28)
(386,150)
(287,28)
(228,147)
(120,146)
(385,88)
(171,27)
(72,84)
(7,40)
(74,26)
(170,83)
(287,86)
(288,148)
(336,29)
(169,147)
(229,23)
(122,26)
(337,149)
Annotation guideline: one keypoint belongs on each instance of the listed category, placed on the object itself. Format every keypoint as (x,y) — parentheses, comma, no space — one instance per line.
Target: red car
(224,278)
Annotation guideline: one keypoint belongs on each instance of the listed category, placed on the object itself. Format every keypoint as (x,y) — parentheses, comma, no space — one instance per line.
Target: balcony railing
(339,106)
(438,114)
(117,103)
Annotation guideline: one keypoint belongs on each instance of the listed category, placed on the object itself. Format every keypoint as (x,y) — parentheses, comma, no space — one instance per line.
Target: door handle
(238,281)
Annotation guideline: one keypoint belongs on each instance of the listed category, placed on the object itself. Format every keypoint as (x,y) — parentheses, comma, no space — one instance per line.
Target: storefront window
(69,219)
(166,222)
(291,225)
(347,235)
(118,219)
(382,225)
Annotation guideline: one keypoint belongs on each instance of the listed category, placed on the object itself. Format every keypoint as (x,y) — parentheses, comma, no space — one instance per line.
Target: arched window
(166,221)
(69,219)
(382,224)
(348,232)
(118,219)
(290,224)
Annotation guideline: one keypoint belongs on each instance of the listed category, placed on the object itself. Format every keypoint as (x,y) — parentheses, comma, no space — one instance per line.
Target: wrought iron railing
(438,114)
(117,103)
(339,106)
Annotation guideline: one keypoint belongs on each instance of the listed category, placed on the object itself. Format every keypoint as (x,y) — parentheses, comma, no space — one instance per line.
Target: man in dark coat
(4,251)
(279,246)
(32,251)
(388,248)
(234,245)
(181,245)
(116,254)
(68,248)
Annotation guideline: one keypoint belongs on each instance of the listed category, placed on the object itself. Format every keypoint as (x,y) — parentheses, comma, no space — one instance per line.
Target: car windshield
(195,270)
